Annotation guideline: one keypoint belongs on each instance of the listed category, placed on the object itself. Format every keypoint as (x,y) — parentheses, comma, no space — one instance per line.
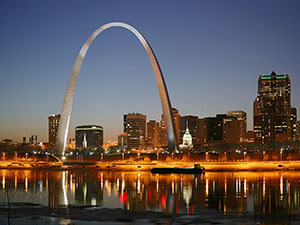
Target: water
(269,193)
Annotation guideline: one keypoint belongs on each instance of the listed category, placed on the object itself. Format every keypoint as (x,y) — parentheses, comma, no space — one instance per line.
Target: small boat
(197,169)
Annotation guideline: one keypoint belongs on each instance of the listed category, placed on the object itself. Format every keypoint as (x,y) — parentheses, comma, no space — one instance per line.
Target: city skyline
(219,59)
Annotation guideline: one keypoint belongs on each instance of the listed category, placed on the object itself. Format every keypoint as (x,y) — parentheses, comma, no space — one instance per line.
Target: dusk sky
(210,52)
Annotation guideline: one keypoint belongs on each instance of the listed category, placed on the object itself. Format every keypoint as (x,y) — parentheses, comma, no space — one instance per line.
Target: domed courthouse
(187,143)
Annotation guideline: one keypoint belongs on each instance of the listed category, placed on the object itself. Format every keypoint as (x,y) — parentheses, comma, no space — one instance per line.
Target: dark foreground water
(260,195)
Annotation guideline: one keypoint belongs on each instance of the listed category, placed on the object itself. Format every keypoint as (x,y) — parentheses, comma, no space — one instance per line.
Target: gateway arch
(68,100)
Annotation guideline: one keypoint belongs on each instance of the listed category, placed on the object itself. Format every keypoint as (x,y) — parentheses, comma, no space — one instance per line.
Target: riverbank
(22,213)
(146,166)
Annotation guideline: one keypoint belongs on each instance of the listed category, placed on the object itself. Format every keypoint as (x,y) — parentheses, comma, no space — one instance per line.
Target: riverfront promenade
(146,166)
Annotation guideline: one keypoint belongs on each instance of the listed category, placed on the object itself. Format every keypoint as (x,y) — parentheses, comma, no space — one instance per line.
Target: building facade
(89,136)
(53,123)
(294,136)
(272,109)
(242,118)
(122,140)
(298,130)
(152,134)
(135,127)
(222,129)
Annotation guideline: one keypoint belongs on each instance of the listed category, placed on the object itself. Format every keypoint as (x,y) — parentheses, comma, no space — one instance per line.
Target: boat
(197,169)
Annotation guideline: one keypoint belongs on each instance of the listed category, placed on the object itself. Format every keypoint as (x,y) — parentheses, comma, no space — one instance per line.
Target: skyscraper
(298,131)
(293,124)
(153,134)
(53,122)
(89,136)
(242,118)
(135,127)
(272,109)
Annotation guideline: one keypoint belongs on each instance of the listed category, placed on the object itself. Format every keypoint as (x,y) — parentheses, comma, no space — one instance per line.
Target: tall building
(222,129)
(193,126)
(89,136)
(122,140)
(272,109)
(298,130)
(294,124)
(242,118)
(135,127)
(153,134)
(53,122)
(163,140)
(176,118)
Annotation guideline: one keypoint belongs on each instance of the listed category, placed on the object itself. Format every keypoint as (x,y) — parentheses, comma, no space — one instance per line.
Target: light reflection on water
(260,192)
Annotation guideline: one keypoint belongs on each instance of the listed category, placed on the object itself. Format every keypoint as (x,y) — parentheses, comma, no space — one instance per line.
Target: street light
(280,154)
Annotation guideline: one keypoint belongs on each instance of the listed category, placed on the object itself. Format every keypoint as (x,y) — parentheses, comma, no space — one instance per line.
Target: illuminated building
(53,122)
(250,136)
(135,127)
(71,145)
(298,130)
(272,109)
(242,118)
(193,123)
(89,136)
(222,129)
(153,134)
(187,140)
(122,140)
(163,142)
(294,124)
(33,139)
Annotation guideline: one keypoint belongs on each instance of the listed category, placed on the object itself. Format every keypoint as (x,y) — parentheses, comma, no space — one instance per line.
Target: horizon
(212,66)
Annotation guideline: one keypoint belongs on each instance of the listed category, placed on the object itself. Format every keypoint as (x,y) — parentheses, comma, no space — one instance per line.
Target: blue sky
(211,54)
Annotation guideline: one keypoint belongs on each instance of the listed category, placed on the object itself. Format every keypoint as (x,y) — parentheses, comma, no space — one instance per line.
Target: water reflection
(264,193)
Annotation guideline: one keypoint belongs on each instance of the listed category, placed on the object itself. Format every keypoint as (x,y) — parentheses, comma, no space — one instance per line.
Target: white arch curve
(68,100)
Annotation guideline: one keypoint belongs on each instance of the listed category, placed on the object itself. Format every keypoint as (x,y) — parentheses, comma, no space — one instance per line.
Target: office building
(163,140)
(53,123)
(242,118)
(135,127)
(298,130)
(89,136)
(294,124)
(222,129)
(122,140)
(272,109)
(152,134)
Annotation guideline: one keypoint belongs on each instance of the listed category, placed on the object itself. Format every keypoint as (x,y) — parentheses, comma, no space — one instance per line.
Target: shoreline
(26,213)
(146,166)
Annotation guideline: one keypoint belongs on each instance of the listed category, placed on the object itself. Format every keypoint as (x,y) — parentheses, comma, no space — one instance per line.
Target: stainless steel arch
(68,100)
